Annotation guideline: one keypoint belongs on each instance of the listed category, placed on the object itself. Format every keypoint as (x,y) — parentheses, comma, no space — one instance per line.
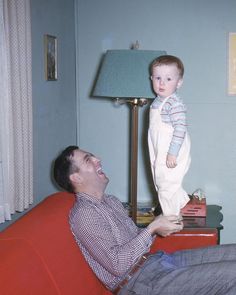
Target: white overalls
(168,181)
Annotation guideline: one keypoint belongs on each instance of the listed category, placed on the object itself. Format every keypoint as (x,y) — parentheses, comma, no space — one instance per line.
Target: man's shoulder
(79,206)
(86,204)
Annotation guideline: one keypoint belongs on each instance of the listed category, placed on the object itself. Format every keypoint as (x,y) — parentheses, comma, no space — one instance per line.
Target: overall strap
(164,101)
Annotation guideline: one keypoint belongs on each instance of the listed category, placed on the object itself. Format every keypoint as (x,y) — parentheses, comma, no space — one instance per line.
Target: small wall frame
(50,57)
(232,64)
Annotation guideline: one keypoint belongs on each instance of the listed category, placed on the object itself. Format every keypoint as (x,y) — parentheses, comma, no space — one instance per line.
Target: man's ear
(75,178)
(180,83)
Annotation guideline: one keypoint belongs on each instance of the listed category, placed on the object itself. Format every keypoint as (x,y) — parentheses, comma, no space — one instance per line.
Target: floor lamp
(124,75)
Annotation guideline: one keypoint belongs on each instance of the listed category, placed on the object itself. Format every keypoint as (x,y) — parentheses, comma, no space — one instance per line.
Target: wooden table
(197,232)
(211,221)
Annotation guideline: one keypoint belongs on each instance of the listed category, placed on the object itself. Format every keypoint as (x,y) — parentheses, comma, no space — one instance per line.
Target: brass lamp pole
(135,104)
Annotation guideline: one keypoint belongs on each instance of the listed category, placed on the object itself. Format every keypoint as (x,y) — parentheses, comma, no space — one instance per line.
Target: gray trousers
(210,271)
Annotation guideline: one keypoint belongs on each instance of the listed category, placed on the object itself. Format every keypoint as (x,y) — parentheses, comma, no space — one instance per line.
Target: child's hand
(171,161)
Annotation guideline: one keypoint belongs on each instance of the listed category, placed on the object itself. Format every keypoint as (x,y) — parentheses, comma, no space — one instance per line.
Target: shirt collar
(90,198)
(174,94)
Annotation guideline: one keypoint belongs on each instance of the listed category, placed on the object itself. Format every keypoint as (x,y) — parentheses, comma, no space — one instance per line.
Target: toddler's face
(165,80)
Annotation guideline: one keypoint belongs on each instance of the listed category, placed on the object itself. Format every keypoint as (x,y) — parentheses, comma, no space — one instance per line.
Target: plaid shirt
(109,240)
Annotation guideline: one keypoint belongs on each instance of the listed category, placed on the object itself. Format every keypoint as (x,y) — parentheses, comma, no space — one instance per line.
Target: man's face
(165,80)
(90,170)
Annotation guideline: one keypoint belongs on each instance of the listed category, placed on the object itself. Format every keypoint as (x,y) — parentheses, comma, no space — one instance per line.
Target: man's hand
(164,226)
(171,161)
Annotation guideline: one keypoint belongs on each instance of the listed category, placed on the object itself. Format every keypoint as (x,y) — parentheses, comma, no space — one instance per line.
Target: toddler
(168,140)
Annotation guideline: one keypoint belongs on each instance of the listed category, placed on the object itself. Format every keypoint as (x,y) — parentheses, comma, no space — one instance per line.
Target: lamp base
(135,101)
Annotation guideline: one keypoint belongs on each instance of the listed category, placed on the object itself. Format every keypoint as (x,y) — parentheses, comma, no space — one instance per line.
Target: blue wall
(197,32)
(54,102)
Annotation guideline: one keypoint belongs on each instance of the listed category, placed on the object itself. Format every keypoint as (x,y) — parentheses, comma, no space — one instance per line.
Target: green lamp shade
(125,74)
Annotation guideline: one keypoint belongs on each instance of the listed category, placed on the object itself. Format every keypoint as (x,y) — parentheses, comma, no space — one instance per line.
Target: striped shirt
(173,113)
(109,240)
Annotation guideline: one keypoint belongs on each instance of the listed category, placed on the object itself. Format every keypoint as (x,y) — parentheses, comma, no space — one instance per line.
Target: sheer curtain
(16,172)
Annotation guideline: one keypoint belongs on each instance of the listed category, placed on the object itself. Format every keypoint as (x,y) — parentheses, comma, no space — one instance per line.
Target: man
(117,250)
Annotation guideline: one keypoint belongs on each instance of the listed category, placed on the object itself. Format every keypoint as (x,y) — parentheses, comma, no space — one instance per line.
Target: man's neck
(96,194)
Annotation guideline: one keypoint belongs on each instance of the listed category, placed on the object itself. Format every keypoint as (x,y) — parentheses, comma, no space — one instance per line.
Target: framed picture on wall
(50,57)
(232,64)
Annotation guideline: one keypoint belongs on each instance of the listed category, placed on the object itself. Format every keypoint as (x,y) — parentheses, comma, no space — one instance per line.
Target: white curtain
(16,173)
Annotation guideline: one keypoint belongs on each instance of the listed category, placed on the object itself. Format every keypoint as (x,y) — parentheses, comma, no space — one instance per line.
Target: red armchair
(38,254)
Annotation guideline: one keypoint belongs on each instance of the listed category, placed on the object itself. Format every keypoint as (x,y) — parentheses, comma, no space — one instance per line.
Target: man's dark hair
(64,167)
